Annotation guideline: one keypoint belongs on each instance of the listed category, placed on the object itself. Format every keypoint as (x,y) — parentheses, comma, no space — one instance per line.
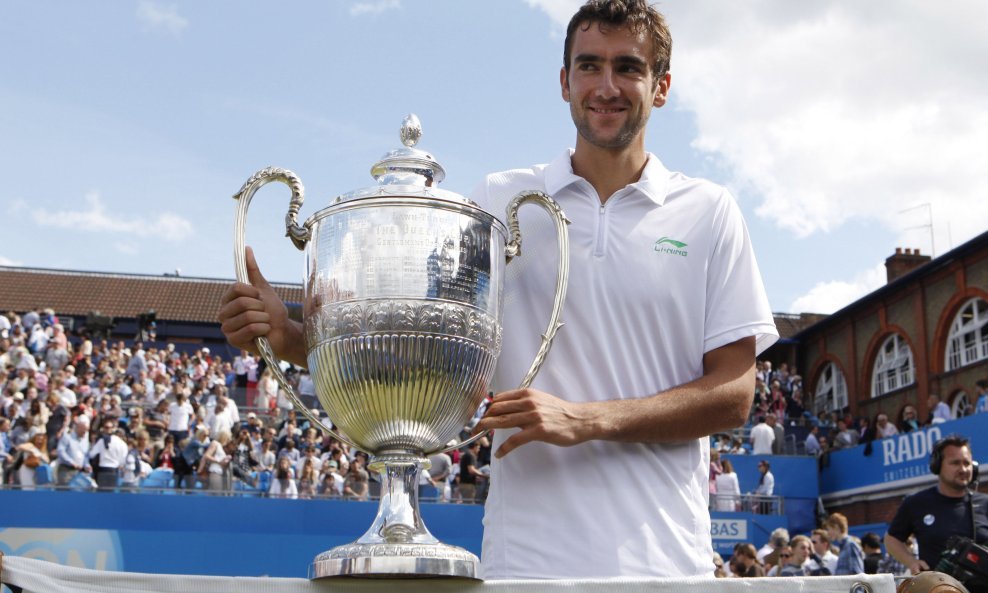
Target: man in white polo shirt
(601,468)
(664,315)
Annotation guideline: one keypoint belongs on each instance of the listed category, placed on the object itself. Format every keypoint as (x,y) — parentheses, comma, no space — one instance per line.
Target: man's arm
(249,311)
(718,400)
(901,552)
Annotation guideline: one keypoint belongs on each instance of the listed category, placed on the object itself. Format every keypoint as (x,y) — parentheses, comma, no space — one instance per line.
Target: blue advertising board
(198,534)
(898,461)
(796,480)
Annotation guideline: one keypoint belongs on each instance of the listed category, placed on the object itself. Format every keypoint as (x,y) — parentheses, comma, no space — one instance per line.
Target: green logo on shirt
(670,246)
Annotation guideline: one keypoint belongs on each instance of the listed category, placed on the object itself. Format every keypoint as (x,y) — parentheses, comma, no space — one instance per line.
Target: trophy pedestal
(397,545)
(385,561)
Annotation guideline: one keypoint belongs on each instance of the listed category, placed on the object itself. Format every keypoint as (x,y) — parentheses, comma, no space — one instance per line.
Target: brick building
(924,332)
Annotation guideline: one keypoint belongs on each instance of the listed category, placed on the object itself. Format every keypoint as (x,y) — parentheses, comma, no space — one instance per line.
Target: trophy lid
(407,171)
(409,165)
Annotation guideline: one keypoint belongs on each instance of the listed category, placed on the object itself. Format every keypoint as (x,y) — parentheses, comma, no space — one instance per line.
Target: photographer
(935,514)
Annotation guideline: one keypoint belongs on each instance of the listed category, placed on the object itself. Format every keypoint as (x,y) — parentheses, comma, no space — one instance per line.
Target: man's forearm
(900,551)
(719,400)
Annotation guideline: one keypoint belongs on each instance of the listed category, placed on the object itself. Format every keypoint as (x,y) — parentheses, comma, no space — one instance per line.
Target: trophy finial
(411,130)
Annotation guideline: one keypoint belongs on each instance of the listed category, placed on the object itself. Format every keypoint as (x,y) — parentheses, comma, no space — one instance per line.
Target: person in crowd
(850,559)
(812,444)
(243,461)
(779,442)
(180,415)
(765,489)
(283,483)
(6,459)
(768,554)
(846,437)
(719,571)
(737,447)
(715,470)
(73,452)
(165,458)
(728,495)
(356,484)
(939,410)
(217,461)
(822,560)
(470,474)
(193,450)
(871,545)
(762,438)
(133,468)
(981,394)
(936,513)
(308,479)
(33,453)
(884,428)
(111,452)
(748,561)
(799,551)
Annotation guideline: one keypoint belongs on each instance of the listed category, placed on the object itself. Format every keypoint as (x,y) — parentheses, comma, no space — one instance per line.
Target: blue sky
(125,127)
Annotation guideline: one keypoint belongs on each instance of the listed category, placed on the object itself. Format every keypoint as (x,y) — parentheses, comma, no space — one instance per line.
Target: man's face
(820,545)
(785,555)
(955,472)
(800,552)
(610,86)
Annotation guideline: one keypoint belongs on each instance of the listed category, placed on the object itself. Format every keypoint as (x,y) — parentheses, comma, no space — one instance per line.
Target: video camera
(966,561)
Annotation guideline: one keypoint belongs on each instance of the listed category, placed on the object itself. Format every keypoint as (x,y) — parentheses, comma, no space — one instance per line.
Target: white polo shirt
(659,275)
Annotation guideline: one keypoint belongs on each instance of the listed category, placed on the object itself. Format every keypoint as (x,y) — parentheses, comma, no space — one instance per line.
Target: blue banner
(898,461)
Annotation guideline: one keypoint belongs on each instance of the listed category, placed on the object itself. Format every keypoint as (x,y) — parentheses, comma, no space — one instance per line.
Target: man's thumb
(253,272)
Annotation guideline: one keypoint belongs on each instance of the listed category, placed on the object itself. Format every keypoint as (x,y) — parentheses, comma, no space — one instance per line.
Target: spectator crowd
(116,415)
(829,550)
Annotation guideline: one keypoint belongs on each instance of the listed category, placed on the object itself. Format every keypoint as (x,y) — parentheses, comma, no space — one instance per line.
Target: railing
(748,503)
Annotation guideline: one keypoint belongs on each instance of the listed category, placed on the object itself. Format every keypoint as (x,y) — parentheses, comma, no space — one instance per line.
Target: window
(893,366)
(968,339)
(961,405)
(831,390)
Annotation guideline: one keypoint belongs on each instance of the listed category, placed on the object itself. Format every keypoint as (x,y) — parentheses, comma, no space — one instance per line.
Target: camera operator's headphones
(936,455)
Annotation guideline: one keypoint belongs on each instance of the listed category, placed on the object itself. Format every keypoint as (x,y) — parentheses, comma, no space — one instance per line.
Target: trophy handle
(300,236)
(512,250)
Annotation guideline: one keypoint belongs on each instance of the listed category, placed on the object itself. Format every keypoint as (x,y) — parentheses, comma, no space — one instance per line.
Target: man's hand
(249,311)
(918,566)
(540,416)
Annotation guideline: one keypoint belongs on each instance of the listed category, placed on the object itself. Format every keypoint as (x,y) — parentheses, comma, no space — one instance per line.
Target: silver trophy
(402,317)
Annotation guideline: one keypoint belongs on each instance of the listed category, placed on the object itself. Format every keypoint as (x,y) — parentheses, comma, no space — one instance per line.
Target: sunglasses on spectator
(785,555)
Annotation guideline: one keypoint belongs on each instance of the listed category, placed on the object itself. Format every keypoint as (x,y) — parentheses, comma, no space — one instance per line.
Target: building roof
(119,295)
(790,324)
(973,246)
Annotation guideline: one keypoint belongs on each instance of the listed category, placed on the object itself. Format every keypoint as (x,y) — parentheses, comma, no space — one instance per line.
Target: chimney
(903,262)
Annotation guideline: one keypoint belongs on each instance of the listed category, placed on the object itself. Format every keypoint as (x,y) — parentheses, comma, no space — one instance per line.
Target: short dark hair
(870,540)
(637,15)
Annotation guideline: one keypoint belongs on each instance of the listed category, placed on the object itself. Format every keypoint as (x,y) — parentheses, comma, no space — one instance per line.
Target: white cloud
(8,262)
(378,7)
(157,16)
(835,111)
(95,218)
(832,295)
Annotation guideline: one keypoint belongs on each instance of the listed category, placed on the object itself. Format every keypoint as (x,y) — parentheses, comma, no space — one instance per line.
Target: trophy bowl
(402,324)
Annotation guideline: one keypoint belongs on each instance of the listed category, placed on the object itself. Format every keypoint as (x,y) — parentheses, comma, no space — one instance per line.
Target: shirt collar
(653,182)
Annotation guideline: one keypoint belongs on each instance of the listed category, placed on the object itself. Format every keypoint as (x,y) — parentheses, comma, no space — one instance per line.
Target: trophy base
(395,561)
